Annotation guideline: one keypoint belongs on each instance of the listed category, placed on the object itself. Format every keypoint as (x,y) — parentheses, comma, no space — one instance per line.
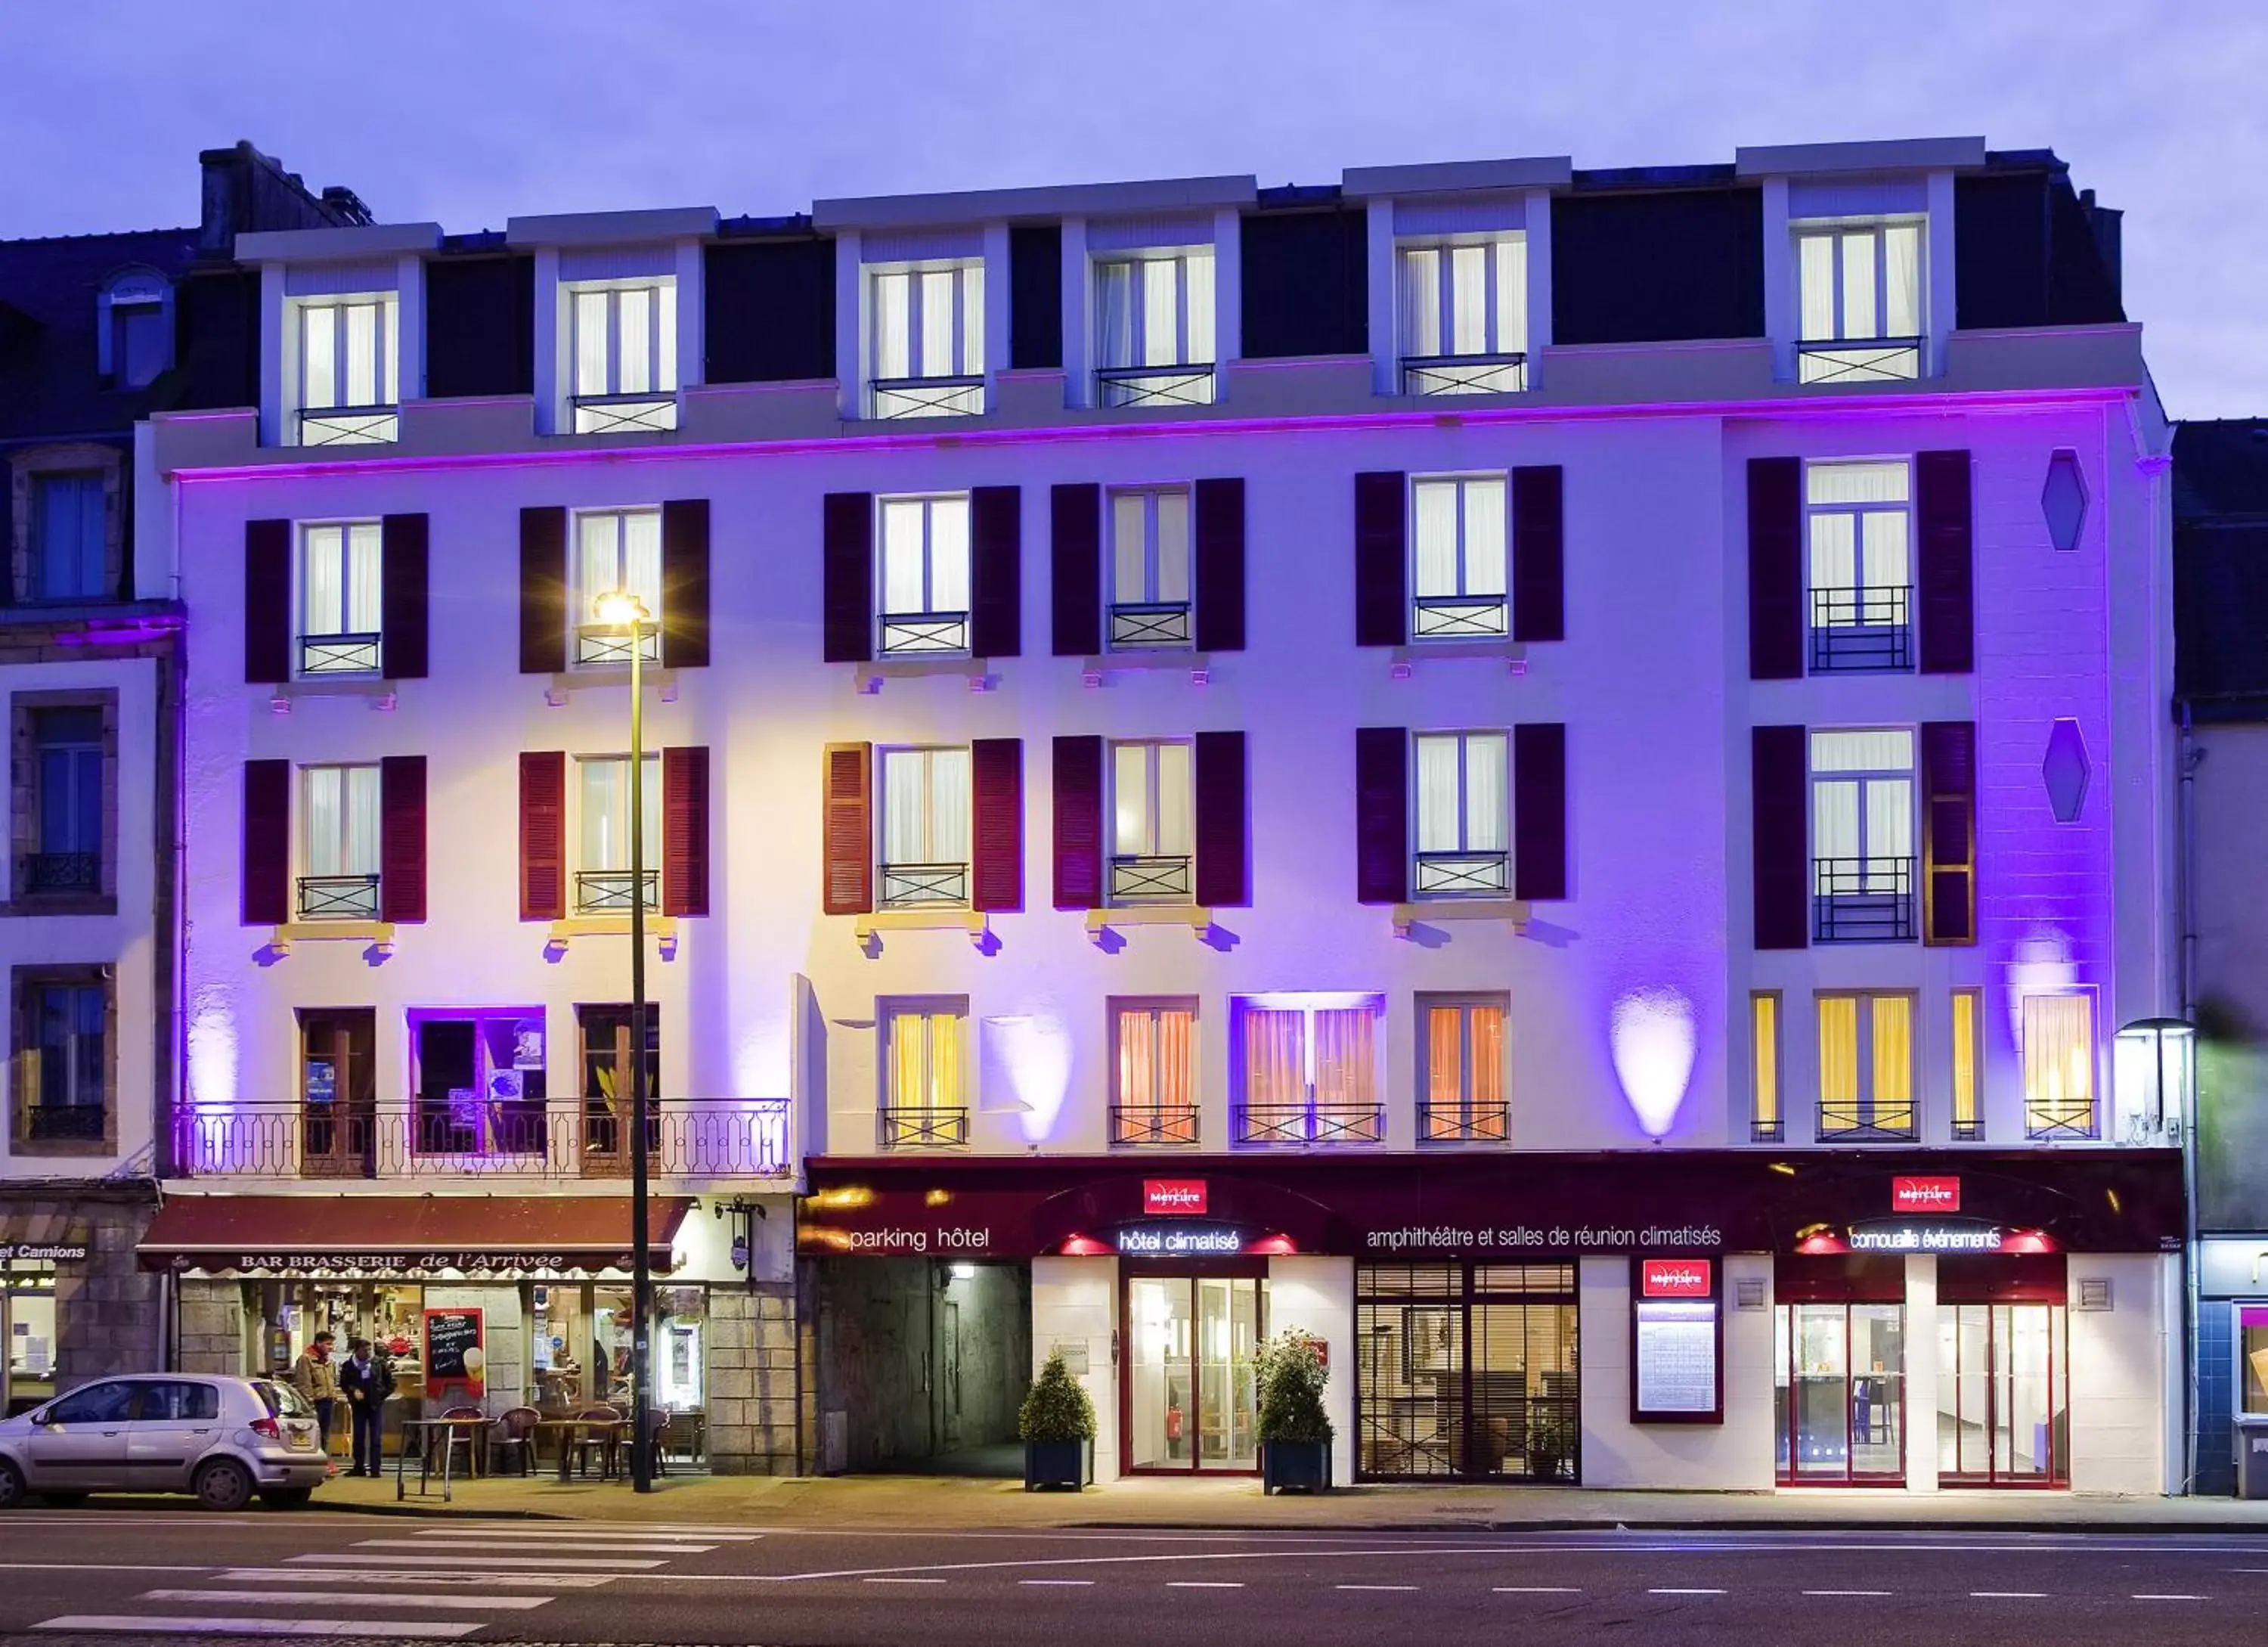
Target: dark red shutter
(1381,582)
(996,571)
(1217,788)
(1539,810)
(1075,568)
(847,830)
(542,836)
(1779,825)
(542,591)
(685,584)
(1945,566)
(685,830)
(404,567)
(1217,564)
(1079,823)
(1948,801)
(847,577)
(265,896)
(1776,577)
(996,831)
(402,836)
(1381,815)
(267,602)
(1539,554)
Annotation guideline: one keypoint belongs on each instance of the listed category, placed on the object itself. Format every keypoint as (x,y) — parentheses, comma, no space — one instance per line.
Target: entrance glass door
(2003,1394)
(1192,1399)
(1841,1382)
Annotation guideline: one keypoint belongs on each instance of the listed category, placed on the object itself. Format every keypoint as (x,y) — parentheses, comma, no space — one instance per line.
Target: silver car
(223,1439)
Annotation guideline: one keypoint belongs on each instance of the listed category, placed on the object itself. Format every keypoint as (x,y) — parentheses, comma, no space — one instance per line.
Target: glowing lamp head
(619,609)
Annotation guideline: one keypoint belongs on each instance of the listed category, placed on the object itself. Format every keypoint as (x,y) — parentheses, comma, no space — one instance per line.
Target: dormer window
(1463,314)
(347,386)
(136,338)
(1154,329)
(925,341)
(1860,283)
(624,344)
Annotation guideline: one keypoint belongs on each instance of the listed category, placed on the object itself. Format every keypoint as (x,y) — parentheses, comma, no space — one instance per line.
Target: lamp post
(621,609)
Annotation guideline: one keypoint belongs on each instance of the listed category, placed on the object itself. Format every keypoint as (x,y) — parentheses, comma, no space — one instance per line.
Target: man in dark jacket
(365,1381)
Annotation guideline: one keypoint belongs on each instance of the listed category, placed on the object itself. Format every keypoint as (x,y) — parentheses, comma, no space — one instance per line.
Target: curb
(1776,1524)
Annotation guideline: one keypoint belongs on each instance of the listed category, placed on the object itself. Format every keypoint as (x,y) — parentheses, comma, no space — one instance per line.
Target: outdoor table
(569,1431)
(424,1429)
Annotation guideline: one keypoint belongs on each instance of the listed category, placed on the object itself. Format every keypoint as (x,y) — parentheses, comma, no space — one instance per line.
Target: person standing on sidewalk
(367,1382)
(316,1376)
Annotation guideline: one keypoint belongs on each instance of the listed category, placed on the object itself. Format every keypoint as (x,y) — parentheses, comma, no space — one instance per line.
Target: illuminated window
(924,1083)
(926,805)
(1464,824)
(625,355)
(1461,1069)
(1459,529)
(616,551)
(1968,1061)
(1865,1067)
(1153,1061)
(1153,823)
(1150,568)
(1462,309)
(1766,1124)
(1307,1068)
(1154,328)
(2060,1066)
(348,380)
(605,884)
(1862,836)
(338,843)
(1858,522)
(924,582)
(1859,285)
(925,347)
(341,602)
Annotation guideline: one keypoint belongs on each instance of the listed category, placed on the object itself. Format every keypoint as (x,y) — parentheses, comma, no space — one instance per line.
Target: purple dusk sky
(469,111)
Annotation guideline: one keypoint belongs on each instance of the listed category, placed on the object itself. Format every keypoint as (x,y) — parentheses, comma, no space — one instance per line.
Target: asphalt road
(116,1577)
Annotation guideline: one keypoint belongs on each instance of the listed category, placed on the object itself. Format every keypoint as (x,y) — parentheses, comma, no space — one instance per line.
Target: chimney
(246,191)
(2106,226)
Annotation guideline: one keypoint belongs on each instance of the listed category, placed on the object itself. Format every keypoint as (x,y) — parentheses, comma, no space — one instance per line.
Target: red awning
(378,1235)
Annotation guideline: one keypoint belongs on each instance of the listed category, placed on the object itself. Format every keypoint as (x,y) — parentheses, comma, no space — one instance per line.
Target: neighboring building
(1533,772)
(90,649)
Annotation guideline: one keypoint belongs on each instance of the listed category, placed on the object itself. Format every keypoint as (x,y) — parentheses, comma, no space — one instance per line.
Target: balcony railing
(64,1123)
(608,891)
(1308,1124)
(1463,374)
(63,872)
(1862,900)
(1460,875)
(349,425)
(650,413)
(1882,1120)
(1138,625)
(1457,617)
(1161,880)
(686,1138)
(339,654)
(2049,1118)
(1972,1130)
(338,897)
(1152,1127)
(1770,1132)
(1857,359)
(923,634)
(920,885)
(1155,386)
(1861,629)
(1472,1123)
(961,396)
(923,1129)
(606,643)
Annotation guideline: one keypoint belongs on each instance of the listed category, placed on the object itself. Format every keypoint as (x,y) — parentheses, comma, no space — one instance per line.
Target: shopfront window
(1840,1377)
(27,1315)
(2003,1394)
(2252,1359)
(479,1082)
(1193,1400)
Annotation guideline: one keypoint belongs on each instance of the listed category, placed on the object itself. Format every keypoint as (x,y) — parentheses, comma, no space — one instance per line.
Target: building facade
(1531,773)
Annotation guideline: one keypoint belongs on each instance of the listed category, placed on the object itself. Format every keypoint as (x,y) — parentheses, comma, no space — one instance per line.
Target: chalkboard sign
(456,1363)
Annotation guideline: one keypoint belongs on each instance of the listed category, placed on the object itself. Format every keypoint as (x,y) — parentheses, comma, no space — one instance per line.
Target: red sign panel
(1674,1278)
(1926,1195)
(1170,1197)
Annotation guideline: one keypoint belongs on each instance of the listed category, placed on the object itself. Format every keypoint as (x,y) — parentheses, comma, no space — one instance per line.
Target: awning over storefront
(406,1235)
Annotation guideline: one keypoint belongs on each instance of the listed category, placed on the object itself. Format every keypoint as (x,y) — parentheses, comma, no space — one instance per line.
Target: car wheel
(287,1497)
(223,1485)
(12,1485)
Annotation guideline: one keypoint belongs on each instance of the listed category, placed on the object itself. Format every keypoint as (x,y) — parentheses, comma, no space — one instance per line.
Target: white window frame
(1148,1117)
(1474,1119)
(604,888)
(1465,609)
(337,861)
(932,628)
(937,878)
(2042,1120)
(1465,865)
(1171,334)
(334,418)
(1843,354)
(1157,865)
(919,391)
(1873,1114)
(1435,358)
(617,404)
(1866,894)
(1153,612)
(344,649)
(1865,622)
(1319,1124)
(599,645)
(929,1122)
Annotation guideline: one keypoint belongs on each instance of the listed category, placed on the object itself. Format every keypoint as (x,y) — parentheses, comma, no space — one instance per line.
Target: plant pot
(1300,1466)
(1058,1464)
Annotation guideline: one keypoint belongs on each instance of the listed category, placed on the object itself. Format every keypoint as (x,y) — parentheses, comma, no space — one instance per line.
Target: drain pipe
(2188,757)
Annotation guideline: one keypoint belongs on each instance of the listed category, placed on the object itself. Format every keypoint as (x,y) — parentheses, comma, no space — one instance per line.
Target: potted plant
(1057,1425)
(1550,1442)
(1295,1433)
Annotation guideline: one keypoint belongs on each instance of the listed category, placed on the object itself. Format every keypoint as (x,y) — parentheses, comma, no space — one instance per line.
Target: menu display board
(456,1360)
(1677,1341)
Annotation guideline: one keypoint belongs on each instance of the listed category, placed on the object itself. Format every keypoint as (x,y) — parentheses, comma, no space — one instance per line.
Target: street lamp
(621,609)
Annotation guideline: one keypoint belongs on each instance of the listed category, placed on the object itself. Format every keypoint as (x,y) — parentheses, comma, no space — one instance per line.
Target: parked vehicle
(223,1439)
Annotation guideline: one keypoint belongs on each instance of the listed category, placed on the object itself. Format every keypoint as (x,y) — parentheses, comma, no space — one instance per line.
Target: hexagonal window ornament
(2063,500)
(2066,771)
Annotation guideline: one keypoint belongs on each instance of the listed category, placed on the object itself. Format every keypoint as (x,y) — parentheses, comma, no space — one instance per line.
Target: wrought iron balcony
(62,872)
(1866,1121)
(1158,880)
(925,634)
(349,425)
(959,397)
(64,1123)
(602,643)
(1862,900)
(1464,374)
(923,1129)
(923,885)
(2051,1119)
(564,1139)
(1450,875)
(339,654)
(1469,1123)
(1868,628)
(1973,1130)
(1152,1127)
(1857,359)
(1136,625)
(608,891)
(1308,1124)
(338,897)
(1155,386)
(1771,1132)
(1458,617)
(650,413)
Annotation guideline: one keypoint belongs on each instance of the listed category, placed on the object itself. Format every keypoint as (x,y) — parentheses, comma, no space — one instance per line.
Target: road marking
(1685,1592)
(1537,1589)
(120,1623)
(2169,1597)
(1846,1592)
(1374,1586)
(903,1581)
(612,1564)
(350,1599)
(94,1567)
(651,1535)
(412,1576)
(1061,1583)
(594,1547)
(1200,1584)
(2008,1595)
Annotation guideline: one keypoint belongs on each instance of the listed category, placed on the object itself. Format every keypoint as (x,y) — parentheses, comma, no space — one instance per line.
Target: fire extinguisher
(1172,1424)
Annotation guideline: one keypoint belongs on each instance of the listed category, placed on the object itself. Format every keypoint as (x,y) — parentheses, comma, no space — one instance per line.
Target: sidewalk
(871,1502)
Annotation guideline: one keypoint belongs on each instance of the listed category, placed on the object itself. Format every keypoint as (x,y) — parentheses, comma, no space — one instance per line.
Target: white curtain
(1469,296)
(319,356)
(938,359)
(1902,280)
(972,319)
(926,805)
(1435,507)
(1834,554)
(1860,318)
(364,339)
(1511,295)
(591,315)
(948,555)
(665,337)
(1835,818)
(1421,301)
(1173,546)
(364,598)
(1441,813)
(323,584)
(1131,801)
(1487,772)
(1176,807)
(1198,277)
(641,557)
(634,349)
(600,562)
(1886,750)
(1130,546)
(340,834)
(904,551)
(604,806)
(893,298)
(1114,335)
(1161,319)
(1816,277)
(1885,549)
(1484,536)
(1890,818)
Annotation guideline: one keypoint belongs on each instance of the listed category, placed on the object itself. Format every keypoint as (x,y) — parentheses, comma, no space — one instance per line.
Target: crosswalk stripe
(350,1599)
(536,1535)
(426,1629)
(592,1546)
(411,1576)
(486,1563)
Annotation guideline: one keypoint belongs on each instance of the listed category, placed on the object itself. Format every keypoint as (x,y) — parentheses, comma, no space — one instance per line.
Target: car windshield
(283,1400)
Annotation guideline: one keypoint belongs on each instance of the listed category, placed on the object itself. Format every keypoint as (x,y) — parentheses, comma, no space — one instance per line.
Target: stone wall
(212,1326)
(752,1380)
(106,1306)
